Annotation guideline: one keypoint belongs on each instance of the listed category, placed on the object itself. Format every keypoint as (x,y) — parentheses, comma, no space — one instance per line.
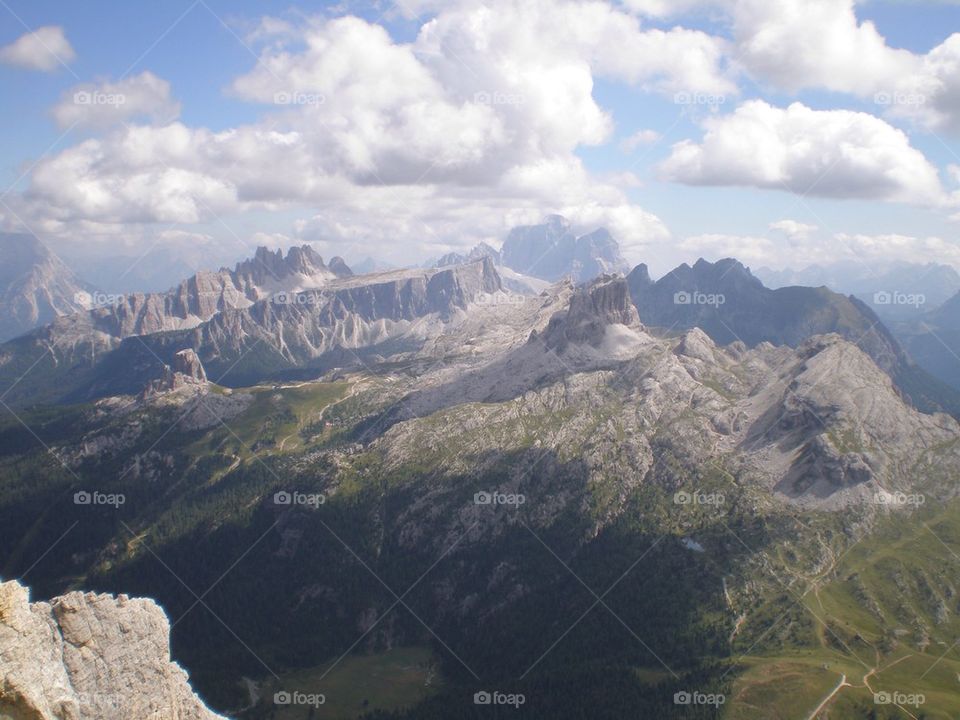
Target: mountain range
(405,490)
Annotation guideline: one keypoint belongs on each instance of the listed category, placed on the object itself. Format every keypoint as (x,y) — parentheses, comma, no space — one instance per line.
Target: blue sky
(401,160)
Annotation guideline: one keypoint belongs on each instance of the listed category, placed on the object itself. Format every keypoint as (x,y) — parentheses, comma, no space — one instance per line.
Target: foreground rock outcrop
(85,655)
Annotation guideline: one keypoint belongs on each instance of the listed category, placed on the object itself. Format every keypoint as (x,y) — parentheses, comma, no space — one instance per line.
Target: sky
(780,132)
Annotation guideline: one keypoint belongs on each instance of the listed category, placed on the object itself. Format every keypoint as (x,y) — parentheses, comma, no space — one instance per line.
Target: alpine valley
(521,482)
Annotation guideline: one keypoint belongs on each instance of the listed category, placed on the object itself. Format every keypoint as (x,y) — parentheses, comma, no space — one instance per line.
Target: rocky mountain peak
(556,223)
(338,266)
(84,655)
(592,309)
(267,265)
(551,251)
(187,363)
(36,287)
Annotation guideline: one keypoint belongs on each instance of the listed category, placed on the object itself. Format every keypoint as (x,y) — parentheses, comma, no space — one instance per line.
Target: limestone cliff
(85,656)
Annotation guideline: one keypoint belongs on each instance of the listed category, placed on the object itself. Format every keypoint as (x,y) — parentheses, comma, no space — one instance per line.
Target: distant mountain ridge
(551,251)
(289,330)
(727,302)
(934,340)
(934,282)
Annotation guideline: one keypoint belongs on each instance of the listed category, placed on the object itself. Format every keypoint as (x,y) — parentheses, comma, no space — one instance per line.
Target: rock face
(187,363)
(603,303)
(203,295)
(552,251)
(35,286)
(84,655)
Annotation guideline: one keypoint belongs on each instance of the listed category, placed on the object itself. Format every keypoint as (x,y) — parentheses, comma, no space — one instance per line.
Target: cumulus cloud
(101,105)
(826,153)
(44,49)
(792,45)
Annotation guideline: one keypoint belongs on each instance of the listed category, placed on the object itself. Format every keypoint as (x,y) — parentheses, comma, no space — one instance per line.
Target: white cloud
(109,103)
(752,251)
(815,43)
(44,49)
(826,153)
(868,251)
(795,231)
(640,137)
(879,249)
(442,141)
